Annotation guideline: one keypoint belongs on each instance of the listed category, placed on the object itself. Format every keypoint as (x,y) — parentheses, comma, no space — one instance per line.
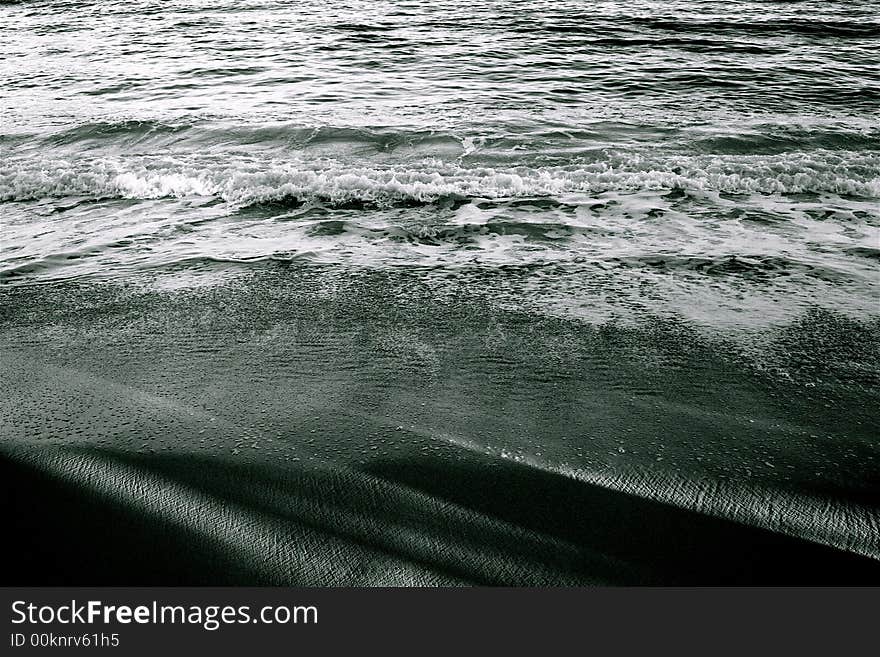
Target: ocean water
(503,292)
(717,149)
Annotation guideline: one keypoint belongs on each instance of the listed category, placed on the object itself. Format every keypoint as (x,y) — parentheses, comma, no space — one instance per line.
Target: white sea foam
(245,181)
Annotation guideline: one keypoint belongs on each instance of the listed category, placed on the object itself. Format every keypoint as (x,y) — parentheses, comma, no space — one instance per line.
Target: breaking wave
(248,181)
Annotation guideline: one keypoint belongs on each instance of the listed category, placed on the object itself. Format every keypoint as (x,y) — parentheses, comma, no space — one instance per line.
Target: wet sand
(311,426)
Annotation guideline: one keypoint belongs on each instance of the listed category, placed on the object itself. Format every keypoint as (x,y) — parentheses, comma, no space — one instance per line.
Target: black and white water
(632,244)
(729,144)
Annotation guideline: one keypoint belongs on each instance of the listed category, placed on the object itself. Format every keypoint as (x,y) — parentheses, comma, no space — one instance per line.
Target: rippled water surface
(511,292)
(701,148)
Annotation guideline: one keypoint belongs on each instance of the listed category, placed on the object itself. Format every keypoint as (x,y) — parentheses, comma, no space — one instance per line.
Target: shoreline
(372,431)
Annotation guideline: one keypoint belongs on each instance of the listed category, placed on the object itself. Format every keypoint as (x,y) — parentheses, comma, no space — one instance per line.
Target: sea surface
(508,292)
(707,149)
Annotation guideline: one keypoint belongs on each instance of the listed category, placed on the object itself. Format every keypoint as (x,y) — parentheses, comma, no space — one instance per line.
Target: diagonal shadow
(455,518)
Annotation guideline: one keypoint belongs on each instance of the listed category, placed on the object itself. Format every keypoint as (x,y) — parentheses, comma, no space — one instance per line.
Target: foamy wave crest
(244,181)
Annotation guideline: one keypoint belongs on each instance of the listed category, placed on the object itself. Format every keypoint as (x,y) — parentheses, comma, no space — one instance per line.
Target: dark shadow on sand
(670,545)
(59,534)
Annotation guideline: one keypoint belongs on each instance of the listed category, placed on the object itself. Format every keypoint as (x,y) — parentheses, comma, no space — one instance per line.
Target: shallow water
(301,426)
(520,293)
(714,149)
